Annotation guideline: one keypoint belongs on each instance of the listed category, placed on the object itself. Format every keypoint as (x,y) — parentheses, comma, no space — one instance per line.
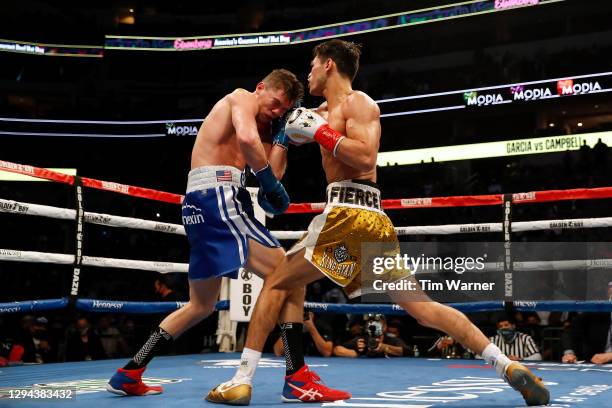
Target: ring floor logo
(458,391)
(568,389)
(263,363)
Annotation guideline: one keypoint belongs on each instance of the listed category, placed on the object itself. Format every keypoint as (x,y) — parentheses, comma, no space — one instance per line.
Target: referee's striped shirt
(523,346)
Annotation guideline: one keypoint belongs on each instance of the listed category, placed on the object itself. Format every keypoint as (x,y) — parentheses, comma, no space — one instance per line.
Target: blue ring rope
(33,305)
(96,305)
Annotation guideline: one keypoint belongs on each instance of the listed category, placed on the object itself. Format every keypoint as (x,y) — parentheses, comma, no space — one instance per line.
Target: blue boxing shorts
(218,218)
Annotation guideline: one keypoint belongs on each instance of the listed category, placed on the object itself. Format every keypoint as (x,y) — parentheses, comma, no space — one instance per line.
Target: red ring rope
(390,204)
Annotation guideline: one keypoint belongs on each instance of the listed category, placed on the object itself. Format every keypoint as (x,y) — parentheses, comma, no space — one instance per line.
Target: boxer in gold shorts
(347,128)
(352,216)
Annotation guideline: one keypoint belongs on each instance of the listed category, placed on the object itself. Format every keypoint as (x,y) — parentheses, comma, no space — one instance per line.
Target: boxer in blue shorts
(219,239)
(217,212)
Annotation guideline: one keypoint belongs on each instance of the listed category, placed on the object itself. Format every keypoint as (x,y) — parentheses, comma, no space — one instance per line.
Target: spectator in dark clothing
(164,289)
(600,155)
(373,342)
(110,337)
(395,329)
(83,343)
(33,337)
(354,329)
(24,337)
(590,337)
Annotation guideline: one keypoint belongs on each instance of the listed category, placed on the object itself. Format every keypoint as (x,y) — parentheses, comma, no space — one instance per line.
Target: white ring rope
(519,226)
(567,265)
(16,207)
(166,267)
(47,257)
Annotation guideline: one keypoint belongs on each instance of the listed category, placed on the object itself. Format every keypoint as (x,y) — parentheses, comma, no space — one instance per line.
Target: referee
(514,344)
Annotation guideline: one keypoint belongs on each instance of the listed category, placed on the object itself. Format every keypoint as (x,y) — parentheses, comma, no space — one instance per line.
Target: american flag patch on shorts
(224,175)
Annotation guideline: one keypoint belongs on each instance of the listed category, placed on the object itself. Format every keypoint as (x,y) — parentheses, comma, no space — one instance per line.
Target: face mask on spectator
(508,335)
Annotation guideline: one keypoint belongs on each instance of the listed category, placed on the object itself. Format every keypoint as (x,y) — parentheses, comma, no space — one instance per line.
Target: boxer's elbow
(247,139)
(371,162)
(364,162)
(357,154)
(366,156)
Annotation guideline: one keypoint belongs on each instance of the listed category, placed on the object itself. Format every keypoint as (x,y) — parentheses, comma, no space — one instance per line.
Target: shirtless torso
(217,142)
(357,116)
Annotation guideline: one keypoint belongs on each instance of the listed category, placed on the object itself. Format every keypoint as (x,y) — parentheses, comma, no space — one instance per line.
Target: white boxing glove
(305,126)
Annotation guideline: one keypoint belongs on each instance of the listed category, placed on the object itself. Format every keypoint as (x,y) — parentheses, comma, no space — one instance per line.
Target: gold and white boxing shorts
(333,243)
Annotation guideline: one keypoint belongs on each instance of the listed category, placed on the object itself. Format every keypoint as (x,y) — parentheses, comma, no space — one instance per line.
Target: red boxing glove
(328,138)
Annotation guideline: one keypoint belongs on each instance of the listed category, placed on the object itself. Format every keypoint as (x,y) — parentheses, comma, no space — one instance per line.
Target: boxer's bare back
(217,142)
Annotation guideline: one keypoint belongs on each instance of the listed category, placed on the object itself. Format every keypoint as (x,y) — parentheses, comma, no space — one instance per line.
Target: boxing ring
(404,382)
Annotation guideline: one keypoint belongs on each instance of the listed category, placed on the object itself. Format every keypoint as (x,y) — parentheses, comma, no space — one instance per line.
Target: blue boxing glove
(278,127)
(272,196)
(278,133)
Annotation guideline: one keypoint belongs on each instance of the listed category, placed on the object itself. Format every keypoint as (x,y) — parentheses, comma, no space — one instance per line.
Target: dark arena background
(496,121)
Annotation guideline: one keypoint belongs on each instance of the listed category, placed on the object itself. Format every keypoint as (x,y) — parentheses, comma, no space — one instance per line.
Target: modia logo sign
(568,87)
(474,99)
(564,84)
(519,93)
(172,129)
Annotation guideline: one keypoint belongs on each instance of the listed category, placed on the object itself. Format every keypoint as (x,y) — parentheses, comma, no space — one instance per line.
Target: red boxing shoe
(129,382)
(305,386)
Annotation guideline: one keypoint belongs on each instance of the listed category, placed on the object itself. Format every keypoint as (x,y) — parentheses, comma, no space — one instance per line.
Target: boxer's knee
(200,309)
(281,281)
